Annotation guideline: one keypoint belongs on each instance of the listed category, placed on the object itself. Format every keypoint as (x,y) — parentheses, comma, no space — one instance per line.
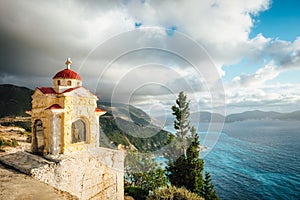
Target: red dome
(67,74)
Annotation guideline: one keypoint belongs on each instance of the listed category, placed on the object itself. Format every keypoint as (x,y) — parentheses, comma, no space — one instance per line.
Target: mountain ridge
(263,115)
(15,100)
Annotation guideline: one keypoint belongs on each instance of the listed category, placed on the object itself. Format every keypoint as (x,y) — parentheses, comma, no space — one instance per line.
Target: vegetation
(143,174)
(185,173)
(14,100)
(136,192)
(209,191)
(189,162)
(192,165)
(172,192)
(181,111)
(8,142)
(143,138)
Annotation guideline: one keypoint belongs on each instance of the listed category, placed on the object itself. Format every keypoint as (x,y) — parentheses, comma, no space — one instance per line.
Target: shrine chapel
(64,117)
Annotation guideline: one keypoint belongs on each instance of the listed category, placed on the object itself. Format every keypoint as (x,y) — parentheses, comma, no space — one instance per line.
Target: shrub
(143,171)
(136,192)
(2,142)
(173,193)
(12,142)
(128,198)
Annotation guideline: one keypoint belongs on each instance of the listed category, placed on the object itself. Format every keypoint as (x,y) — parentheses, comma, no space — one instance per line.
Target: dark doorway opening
(39,137)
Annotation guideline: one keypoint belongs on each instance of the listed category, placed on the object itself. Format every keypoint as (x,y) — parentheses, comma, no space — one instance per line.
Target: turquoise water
(256,160)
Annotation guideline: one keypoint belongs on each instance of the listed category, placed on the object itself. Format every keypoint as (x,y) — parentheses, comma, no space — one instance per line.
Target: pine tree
(209,192)
(182,124)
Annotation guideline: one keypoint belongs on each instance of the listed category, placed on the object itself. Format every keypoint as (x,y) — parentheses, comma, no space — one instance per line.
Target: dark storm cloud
(31,38)
(37,36)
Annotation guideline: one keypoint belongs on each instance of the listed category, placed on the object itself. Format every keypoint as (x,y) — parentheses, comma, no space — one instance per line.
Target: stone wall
(93,174)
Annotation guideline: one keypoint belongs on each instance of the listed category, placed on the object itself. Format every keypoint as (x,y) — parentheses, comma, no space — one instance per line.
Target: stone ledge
(24,162)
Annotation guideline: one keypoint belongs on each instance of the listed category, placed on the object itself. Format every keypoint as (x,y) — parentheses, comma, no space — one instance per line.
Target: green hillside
(14,100)
(130,126)
(131,135)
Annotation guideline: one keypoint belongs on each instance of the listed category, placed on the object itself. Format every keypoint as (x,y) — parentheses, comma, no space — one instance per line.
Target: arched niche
(38,137)
(79,131)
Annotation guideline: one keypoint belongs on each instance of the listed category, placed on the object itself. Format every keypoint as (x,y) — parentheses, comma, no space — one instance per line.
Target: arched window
(38,137)
(78,131)
(58,82)
(69,83)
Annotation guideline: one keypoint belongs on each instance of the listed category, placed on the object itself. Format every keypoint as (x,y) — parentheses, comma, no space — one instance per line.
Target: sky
(228,56)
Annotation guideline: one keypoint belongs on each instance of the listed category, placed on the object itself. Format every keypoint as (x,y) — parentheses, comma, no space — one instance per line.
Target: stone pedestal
(93,174)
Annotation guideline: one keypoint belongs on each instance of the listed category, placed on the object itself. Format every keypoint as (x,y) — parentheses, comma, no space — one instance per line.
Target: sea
(255,160)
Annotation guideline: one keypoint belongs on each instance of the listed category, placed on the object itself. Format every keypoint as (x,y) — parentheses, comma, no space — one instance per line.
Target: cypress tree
(187,170)
(209,192)
(181,111)
(177,172)
(195,165)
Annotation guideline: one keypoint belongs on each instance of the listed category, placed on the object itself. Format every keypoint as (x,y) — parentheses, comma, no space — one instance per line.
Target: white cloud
(279,97)
(37,36)
(268,72)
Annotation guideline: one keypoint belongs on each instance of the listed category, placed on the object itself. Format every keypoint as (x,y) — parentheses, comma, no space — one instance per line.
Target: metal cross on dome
(68,63)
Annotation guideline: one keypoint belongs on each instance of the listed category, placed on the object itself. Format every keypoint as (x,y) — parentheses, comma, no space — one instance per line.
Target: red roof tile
(67,74)
(99,110)
(54,106)
(47,90)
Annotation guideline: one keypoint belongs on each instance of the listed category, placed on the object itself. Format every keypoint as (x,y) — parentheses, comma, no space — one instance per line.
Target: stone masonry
(94,174)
